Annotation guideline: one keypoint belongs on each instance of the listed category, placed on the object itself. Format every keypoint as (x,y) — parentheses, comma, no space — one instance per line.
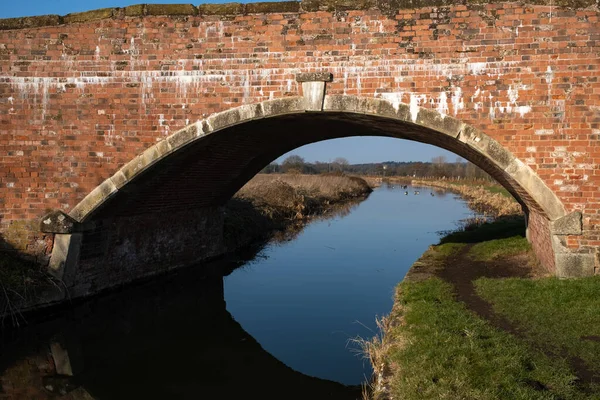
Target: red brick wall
(541,241)
(77,101)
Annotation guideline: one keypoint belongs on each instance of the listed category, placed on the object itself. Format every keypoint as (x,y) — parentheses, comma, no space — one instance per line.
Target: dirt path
(461,271)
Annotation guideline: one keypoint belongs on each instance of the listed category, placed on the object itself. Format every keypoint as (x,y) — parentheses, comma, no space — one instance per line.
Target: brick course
(79,100)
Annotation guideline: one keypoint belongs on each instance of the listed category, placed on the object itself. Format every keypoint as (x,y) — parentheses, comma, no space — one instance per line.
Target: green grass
(443,351)
(500,229)
(489,250)
(499,190)
(552,313)
(492,188)
(445,250)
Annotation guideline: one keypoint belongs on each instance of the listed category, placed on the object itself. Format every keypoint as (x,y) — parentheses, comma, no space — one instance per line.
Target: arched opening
(201,166)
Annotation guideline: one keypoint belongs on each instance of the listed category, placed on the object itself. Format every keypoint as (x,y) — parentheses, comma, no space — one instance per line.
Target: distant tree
(340,164)
(439,166)
(293,163)
(271,168)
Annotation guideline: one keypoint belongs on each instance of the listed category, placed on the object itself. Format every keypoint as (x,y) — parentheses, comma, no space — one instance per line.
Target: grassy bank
(475,318)
(278,203)
(488,199)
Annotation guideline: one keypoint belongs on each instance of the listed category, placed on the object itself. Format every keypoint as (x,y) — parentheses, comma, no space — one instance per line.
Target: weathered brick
(80,98)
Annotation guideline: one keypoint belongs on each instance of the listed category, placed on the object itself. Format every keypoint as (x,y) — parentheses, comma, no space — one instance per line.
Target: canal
(279,326)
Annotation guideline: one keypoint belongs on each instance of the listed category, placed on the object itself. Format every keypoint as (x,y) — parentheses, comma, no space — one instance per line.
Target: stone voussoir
(439,122)
(481,142)
(529,181)
(287,105)
(183,137)
(94,199)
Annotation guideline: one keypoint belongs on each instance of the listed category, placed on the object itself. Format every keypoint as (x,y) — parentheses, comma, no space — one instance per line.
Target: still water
(278,327)
(306,299)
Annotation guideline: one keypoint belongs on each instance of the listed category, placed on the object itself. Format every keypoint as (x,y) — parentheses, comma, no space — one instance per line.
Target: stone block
(65,257)
(273,7)
(314,77)
(57,222)
(487,146)
(570,224)
(314,93)
(29,22)
(574,265)
(182,137)
(96,197)
(171,9)
(439,122)
(529,181)
(86,16)
(221,9)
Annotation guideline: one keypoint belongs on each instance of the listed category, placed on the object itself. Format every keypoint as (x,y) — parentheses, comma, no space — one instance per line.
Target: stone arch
(419,124)
(232,137)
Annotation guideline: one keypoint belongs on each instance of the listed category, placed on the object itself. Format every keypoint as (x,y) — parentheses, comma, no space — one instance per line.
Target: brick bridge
(123,131)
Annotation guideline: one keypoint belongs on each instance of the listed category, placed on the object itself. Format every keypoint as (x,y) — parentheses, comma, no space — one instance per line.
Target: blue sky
(355,149)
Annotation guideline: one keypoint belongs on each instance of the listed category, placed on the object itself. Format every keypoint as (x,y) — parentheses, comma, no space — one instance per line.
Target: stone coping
(388,7)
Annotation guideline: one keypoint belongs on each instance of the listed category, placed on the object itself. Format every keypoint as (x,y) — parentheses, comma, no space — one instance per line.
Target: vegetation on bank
(444,351)
(20,282)
(488,199)
(282,202)
(563,315)
(476,319)
(437,168)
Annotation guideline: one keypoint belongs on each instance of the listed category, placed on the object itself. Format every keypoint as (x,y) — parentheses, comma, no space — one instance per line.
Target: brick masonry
(538,228)
(82,95)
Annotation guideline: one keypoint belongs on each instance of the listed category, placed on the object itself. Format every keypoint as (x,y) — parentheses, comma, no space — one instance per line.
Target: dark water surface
(276,328)
(306,298)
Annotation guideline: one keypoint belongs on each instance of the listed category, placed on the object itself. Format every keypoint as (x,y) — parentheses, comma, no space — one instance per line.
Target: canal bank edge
(258,221)
(427,266)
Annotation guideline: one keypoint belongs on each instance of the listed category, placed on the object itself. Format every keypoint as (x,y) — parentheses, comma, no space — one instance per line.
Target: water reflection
(305,299)
(172,339)
(292,309)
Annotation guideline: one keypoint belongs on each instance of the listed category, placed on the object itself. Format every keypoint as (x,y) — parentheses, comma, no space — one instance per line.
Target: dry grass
(300,195)
(279,202)
(375,350)
(481,199)
(327,187)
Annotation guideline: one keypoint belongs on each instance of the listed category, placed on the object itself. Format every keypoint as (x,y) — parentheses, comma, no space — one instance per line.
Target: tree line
(438,167)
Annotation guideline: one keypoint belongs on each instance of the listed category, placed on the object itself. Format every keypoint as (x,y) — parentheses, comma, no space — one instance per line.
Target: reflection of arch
(168,339)
(363,116)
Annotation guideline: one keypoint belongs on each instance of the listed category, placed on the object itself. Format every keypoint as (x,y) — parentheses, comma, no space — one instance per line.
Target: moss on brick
(86,16)
(29,22)
(221,9)
(273,7)
(171,9)
(18,234)
(387,7)
(134,11)
(337,5)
